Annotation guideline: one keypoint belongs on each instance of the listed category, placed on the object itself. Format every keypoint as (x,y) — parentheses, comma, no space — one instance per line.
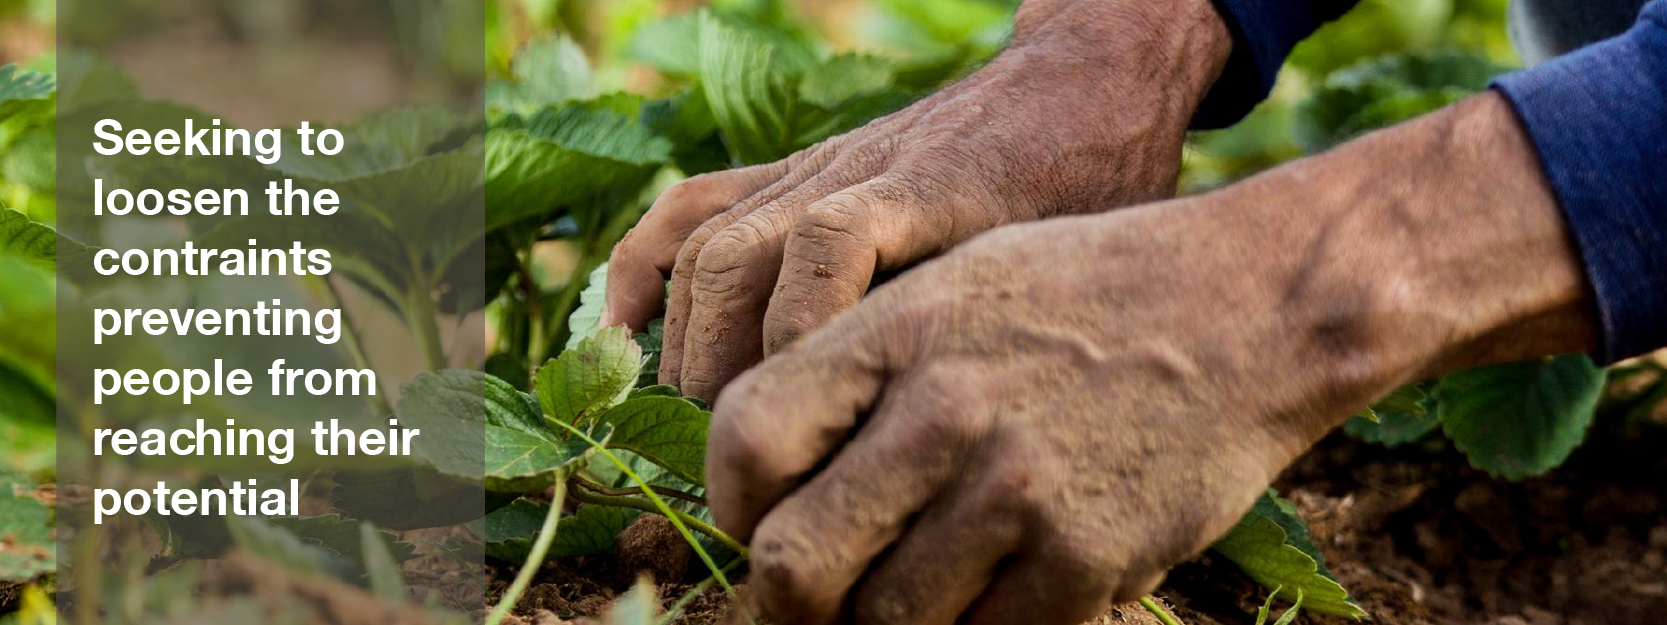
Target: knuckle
(1008,491)
(868,156)
(729,250)
(841,216)
(945,414)
(691,249)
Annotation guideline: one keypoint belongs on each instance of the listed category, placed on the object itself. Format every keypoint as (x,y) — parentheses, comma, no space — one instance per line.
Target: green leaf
(1403,417)
(670,45)
(39,243)
(953,22)
(590,378)
(519,462)
(358,242)
(582,324)
(17,88)
(407,498)
(1271,545)
(845,77)
(449,407)
(343,539)
(589,530)
(1520,420)
(380,567)
(749,89)
(576,157)
(651,343)
(584,321)
(668,431)
(389,167)
(507,407)
(1385,91)
(1291,614)
(549,70)
(27,547)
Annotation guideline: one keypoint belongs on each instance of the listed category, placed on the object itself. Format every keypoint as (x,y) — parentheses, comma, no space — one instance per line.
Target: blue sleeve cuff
(1598,118)
(1264,33)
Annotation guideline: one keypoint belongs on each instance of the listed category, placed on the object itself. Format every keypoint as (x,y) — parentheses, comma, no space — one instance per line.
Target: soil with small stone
(1417,535)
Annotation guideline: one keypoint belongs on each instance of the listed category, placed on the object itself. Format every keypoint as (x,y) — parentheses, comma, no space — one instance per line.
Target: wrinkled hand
(1045,419)
(1086,111)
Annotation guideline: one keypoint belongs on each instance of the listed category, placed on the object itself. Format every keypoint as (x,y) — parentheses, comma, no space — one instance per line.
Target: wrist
(1171,50)
(1435,246)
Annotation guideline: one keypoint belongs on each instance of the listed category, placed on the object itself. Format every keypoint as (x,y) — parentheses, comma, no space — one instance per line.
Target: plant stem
(421,317)
(620,492)
(703,527)
(533,294)
(1162,615)
(659,503)
(535,559)
(355,345)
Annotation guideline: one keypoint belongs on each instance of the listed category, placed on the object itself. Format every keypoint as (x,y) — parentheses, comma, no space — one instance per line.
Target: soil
(1417,535)
(1420,537)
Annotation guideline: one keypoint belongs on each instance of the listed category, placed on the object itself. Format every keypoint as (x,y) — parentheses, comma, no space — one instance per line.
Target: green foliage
(1375,28)
(550,70)
(746,80)
(668,431)
(17,87)
(448,407)
(40,243)
(1523,419)
(1387,90)
(380,566)
(27,546)
(589,530)
(269,542)
(587,318)
(575,158)
(1288,617)
(1405,416)
(1272,546)
(328,543)
(592,377)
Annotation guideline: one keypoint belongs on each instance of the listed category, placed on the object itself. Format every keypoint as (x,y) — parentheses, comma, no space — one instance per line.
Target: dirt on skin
(1417,536)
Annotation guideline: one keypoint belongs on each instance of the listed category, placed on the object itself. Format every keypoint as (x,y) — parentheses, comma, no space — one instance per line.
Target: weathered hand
(1045,419)
(1086,111)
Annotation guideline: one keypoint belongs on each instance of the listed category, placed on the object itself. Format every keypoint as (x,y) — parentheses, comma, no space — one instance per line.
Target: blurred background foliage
(1385,61)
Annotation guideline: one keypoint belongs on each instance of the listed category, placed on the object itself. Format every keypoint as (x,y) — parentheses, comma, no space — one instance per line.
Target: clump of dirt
(652,546)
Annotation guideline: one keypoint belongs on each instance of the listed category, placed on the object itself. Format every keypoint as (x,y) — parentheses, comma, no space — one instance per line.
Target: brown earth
(1417,535)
